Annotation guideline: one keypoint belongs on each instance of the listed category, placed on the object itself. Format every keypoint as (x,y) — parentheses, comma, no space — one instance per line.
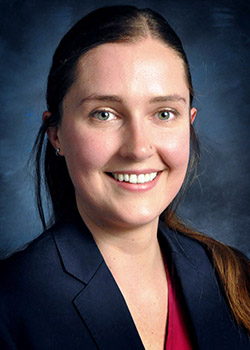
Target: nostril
(136,152)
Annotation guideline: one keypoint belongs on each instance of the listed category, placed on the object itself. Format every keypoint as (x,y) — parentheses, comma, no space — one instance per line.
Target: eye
(103,115)
(165,115)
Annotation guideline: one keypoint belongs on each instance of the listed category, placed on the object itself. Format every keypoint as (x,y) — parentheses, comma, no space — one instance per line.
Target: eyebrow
(115,98)
(167,98)
(95,97)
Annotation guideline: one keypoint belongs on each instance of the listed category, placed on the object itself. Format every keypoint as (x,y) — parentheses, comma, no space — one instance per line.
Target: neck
(128,247)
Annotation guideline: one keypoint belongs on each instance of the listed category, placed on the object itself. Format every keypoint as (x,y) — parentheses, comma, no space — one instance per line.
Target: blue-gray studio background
(215,35)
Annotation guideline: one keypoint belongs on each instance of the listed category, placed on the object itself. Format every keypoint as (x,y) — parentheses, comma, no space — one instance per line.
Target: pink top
(177,337)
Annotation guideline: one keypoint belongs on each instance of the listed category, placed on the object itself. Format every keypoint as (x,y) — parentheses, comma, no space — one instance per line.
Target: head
(116,25)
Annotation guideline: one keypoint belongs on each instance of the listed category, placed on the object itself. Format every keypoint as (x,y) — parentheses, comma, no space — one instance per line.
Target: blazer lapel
(100,302)
(208,311)
(106,314)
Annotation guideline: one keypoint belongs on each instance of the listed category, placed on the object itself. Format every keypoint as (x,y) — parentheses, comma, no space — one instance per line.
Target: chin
(135,219)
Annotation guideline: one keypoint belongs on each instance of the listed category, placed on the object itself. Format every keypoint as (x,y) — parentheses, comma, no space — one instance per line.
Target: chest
(149,310)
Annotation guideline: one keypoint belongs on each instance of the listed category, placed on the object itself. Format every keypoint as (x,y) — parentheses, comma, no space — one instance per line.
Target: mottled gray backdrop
(216,38)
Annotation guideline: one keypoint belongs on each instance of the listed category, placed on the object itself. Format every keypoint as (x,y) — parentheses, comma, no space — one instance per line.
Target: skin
(134,138)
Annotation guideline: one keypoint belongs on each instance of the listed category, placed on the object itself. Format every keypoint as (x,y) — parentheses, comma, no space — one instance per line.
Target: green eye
(165,115)
(103,115)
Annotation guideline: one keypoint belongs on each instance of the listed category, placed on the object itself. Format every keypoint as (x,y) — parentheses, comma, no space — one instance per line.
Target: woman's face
(125,132)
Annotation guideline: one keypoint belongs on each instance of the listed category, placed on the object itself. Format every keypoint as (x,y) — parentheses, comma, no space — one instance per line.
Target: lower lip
(137,187)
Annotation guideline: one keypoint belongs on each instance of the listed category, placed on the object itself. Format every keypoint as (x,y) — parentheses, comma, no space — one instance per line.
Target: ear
(193,113)
(53,134)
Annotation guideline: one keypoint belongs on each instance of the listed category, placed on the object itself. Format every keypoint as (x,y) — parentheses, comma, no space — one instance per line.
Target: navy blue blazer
(59,294)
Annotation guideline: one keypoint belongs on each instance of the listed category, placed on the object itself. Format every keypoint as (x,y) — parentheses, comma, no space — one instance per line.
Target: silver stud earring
(58,152)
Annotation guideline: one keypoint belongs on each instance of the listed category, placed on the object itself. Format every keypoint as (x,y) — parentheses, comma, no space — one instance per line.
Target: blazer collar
(104,310)
(209,313)
(100,302)
(79,253)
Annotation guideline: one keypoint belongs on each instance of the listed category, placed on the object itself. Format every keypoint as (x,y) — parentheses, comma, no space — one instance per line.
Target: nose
(137,142)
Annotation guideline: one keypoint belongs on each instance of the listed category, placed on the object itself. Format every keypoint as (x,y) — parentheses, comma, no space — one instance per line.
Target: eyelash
(169,111)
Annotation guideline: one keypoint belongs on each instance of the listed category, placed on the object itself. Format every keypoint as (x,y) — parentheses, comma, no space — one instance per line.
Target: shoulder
(192,262)
(37,292)
(35,277)
(27,252)
(35,252)
(28,268)
(23,277)
(196,247)
(184,246)
(201,286)
(67,248)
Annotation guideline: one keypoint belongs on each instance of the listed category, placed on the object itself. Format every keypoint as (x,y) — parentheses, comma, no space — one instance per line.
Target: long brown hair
(126,24)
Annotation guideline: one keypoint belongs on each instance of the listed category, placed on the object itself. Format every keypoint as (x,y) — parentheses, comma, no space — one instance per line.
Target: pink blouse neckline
(177,336)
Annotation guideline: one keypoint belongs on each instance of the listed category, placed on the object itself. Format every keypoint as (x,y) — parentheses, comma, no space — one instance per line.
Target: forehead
(145,67)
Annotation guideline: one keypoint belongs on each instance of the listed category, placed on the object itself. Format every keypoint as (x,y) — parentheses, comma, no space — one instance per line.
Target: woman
(107,274)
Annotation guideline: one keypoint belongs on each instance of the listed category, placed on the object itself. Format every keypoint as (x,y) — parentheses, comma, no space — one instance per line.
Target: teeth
(135,179)
(141,179)
(152,176)
(120,177)
(126,177)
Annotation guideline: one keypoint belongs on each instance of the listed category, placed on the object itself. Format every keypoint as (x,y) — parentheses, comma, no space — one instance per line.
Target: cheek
(85,151)
(175,150)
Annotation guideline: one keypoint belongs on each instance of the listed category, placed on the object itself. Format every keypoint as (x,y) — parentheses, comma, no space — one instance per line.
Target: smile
(135,179)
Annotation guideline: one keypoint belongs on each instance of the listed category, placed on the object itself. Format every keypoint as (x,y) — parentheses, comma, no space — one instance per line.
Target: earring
(58,152)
